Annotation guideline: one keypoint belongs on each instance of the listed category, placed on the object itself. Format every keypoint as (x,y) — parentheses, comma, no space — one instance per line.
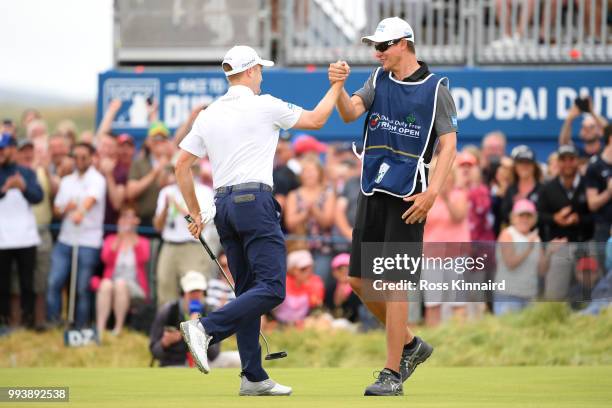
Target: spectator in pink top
(125,255)
(479,217)
(304,292)
(447,222)
(480,220)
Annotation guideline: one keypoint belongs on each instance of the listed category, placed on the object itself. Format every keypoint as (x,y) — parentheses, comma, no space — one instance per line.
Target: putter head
(277,355)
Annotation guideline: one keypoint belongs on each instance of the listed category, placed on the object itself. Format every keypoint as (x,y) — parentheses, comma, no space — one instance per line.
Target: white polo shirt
(239,131)
(17,222)
(76,187)
(175,230)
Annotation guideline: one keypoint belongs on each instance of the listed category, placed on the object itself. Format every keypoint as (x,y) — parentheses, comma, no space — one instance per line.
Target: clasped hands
(338,71)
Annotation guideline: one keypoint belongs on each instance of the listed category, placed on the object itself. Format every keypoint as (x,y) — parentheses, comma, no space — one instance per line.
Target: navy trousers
(248,223)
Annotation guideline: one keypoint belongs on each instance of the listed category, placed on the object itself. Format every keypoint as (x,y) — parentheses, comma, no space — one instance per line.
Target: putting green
(489,387)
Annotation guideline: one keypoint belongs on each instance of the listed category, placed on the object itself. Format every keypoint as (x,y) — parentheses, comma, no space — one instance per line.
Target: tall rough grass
(545,334)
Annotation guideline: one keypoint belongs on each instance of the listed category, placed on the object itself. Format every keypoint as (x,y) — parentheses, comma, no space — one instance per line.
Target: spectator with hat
(308,145)
(340,299)
(305,290)
(521,260)
(527,175)
(114,161)
(564,213)
(8,126)
(126,149)
(19,190)
(150,172)
(165,341)
(479,197)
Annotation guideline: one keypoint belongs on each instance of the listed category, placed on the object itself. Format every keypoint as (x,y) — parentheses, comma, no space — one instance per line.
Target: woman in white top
(520,259)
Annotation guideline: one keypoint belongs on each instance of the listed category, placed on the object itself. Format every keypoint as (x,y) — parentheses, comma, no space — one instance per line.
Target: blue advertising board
(528,105)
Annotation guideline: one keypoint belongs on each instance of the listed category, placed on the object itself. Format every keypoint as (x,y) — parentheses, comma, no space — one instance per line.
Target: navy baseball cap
(6,139)
(23,143)
(567,149)
(522,152)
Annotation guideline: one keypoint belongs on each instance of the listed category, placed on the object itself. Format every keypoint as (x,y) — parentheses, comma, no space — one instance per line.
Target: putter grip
(204,244)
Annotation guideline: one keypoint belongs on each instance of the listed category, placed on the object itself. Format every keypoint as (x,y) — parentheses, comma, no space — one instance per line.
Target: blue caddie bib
(397,132)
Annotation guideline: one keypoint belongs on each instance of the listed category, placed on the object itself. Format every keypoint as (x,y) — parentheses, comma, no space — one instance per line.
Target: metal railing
(311,31)
(536,31)
(453,31)
(449,32)
(188,31)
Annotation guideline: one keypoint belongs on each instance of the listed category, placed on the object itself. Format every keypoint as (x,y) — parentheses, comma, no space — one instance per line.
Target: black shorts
(379,219)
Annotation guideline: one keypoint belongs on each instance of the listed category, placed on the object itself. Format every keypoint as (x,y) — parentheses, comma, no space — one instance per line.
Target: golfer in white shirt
(239,132)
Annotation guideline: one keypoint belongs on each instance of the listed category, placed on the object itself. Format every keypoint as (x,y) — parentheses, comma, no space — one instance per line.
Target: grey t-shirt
(446,113)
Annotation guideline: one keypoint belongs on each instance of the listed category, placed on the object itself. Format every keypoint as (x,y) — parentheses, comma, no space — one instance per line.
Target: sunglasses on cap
(384,46)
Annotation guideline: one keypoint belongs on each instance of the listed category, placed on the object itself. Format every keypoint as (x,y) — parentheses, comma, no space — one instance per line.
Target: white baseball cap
(241,58)
(389,29)
(193,280)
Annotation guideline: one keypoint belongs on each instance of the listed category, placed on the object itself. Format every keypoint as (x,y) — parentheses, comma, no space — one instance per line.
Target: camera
(582,104)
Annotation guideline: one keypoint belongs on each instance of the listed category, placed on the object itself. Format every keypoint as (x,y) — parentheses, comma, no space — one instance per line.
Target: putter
(269,356)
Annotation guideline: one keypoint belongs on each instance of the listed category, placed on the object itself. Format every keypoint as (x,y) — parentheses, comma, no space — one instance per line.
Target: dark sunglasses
(384,46)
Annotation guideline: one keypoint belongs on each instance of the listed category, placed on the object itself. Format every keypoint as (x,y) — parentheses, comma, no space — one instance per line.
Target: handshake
(338,72)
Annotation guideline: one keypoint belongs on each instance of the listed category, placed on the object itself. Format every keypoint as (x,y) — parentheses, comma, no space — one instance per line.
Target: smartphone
(582,104)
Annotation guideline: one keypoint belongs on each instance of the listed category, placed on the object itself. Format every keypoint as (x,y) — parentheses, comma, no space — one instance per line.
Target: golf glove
(208,213)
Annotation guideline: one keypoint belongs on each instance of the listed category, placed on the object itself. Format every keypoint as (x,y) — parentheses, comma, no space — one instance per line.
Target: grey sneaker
(197,340)
(260,388)
(412,358)
(387,384)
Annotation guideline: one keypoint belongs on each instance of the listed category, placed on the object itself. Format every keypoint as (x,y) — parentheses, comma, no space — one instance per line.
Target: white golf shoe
(197,340)
(266,387)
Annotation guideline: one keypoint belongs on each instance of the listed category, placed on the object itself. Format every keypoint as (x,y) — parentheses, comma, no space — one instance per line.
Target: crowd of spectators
(97,207)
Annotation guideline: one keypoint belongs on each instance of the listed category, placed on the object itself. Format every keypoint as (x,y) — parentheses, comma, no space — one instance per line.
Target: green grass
(547,334)
(491,387)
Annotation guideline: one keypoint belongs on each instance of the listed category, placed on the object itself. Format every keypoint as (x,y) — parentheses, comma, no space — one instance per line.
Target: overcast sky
(58,47)
(55,46)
